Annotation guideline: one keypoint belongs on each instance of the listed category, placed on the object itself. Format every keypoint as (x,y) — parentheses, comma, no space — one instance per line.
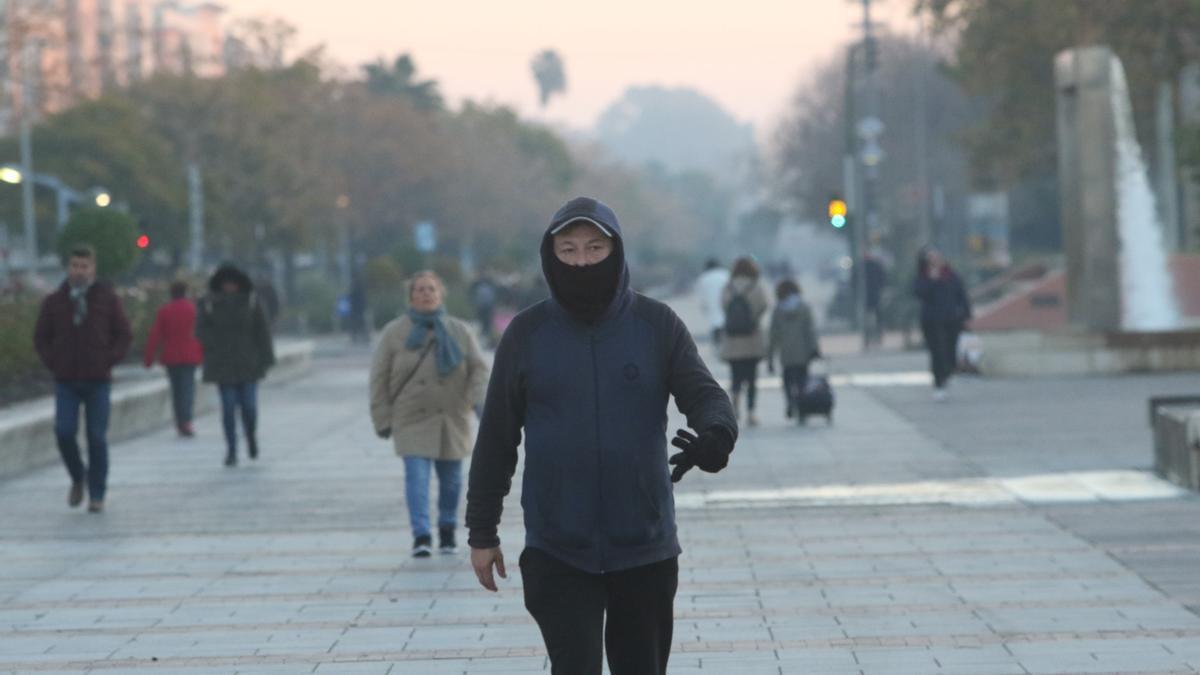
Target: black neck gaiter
(586,292)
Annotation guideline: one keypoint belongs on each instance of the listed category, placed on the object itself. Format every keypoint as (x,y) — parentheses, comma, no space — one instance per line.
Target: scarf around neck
(78,296)
(448,354)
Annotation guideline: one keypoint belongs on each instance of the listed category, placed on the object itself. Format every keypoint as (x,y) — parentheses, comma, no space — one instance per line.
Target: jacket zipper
(599,452)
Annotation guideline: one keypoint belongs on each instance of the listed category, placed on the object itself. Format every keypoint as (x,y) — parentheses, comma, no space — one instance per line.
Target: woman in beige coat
(427,379)
(743,345)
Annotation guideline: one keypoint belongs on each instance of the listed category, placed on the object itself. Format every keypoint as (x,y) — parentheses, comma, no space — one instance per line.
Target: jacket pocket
(638,520)
(560,512)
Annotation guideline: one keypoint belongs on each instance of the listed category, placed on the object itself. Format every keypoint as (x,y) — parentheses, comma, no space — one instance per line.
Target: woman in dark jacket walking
(232,326)
(945,311)
(174,333)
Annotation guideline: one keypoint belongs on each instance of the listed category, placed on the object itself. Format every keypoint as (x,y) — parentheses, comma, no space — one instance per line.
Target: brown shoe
(95,507)
(75,496)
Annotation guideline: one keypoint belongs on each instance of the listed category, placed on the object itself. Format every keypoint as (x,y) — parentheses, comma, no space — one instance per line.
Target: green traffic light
(838,221)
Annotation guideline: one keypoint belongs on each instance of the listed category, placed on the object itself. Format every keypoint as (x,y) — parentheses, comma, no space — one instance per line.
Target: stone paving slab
(299,563)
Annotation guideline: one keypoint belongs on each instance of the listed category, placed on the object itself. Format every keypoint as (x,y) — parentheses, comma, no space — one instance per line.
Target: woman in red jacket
(175,331)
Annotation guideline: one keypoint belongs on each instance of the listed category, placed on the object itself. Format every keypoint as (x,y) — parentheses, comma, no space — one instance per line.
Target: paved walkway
(883,544)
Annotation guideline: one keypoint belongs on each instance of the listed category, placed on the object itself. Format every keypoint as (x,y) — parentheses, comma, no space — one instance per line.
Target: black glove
(384,433)
(709,451)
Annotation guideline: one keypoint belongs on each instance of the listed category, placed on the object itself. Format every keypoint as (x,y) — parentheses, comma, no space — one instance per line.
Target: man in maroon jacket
(174,331)
(81,333)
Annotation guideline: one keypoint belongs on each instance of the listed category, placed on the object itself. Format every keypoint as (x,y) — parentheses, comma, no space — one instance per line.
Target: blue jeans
(183,392)
(233,396)
(416,492)
(95,398)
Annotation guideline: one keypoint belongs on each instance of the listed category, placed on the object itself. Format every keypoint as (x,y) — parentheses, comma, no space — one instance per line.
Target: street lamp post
(64,195)
(26,148)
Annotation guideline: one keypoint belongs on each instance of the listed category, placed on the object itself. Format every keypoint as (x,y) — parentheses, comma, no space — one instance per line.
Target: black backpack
(739,317)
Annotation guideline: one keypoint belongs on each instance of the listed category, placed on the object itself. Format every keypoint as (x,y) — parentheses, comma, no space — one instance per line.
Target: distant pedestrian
(709,287)
(743,345)
(233,327)
(484,294)
(357,312)
(265,291)
(81,333)
(874,280)
(793,336)
(584,379)
(945,311)
(427,380)
(174,334)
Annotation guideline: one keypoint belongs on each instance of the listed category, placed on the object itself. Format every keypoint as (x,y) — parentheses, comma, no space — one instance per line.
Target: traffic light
(143,242)
(837,213)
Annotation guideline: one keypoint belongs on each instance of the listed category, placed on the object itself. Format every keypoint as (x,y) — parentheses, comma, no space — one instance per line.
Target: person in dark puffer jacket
(586,377)
(233,328)
(81,333)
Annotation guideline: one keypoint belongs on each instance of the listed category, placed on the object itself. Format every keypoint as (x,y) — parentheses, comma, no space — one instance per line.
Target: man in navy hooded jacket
(586,376)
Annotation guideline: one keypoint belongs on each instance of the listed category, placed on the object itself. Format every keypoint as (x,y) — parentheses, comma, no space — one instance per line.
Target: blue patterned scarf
(448,355)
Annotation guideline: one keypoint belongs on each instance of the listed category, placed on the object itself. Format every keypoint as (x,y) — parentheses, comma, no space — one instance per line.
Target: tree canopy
(1004,55)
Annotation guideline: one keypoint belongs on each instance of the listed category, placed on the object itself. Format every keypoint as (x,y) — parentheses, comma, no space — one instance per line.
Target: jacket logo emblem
(631,372)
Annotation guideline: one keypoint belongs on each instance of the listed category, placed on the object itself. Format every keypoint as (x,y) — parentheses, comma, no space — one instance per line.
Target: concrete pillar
(1086,168)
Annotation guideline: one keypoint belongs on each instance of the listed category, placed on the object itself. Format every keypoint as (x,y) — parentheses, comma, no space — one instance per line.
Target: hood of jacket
(227,273)
(597,213)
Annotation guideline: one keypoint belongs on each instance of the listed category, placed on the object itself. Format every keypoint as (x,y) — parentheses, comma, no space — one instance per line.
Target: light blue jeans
(417,472)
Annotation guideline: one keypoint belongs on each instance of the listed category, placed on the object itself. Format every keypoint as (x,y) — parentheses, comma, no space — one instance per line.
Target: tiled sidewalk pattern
(298,563)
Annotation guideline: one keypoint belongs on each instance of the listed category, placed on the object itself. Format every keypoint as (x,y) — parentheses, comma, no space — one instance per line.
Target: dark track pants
(570,607)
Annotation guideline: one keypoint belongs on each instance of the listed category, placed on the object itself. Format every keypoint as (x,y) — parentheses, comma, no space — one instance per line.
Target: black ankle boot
(252,447)
(231,457)
(446,541)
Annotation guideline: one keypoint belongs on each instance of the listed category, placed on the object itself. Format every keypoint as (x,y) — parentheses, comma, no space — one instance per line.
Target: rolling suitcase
(816,399)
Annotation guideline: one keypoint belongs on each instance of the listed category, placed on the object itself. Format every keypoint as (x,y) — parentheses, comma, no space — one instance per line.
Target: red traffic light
(143,241)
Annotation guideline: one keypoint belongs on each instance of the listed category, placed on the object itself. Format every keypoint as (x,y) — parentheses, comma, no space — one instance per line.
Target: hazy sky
(747,54)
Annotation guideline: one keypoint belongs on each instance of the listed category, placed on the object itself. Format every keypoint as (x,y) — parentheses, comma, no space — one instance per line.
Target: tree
(261,139)
(809,145)
(110,232)
(260,42)
(1004,54)
(399,80)
(108,142)
(550,75)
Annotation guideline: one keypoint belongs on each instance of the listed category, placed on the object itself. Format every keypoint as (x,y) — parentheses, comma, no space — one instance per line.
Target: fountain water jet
(1118,276)
(1147,294)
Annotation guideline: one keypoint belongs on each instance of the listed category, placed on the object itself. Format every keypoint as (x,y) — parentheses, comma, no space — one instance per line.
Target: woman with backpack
(945,311)
(793,336)
(742,344)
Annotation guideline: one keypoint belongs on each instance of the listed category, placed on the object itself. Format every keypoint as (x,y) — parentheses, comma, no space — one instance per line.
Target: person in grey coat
(793,336)
(233,327)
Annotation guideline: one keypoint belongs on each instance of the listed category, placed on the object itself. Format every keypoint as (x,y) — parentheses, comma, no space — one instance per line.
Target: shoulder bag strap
(413,373)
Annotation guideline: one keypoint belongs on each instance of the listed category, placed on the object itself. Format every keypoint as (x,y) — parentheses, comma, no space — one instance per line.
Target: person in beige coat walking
(428,379)
(743,344)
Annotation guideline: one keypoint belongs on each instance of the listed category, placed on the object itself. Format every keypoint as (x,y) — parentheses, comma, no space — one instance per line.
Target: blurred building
(60,51)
